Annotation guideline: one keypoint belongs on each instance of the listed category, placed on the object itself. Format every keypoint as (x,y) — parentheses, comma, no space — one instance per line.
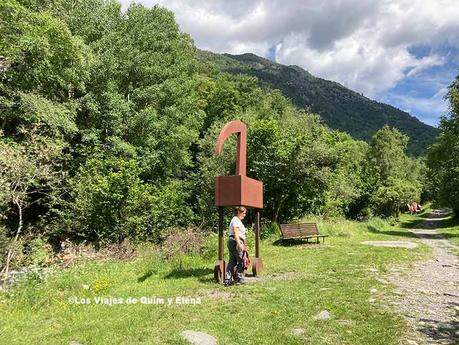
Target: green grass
(261,313)
(409,221)
(450,229)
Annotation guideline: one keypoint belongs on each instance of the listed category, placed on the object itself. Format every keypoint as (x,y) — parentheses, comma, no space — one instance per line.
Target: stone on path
(216,294)
(251,279)
(298,331)
(73,342)
(199,338)
(391,244)
(323,315)
(276,276)
(345,322)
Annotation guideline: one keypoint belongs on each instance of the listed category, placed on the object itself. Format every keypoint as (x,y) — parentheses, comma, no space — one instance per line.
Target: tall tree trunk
(276,212)
(13,243)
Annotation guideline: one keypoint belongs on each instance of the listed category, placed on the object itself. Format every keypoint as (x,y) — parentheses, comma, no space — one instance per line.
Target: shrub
(38,252)
(376,224)
(210,248)
(178,242)
(111,203)
(270,229)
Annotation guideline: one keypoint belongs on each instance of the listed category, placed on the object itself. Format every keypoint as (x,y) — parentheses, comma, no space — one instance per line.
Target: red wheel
(257,266)
(219,272)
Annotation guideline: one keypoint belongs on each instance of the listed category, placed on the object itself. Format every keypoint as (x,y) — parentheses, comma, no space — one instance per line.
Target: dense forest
(108,121)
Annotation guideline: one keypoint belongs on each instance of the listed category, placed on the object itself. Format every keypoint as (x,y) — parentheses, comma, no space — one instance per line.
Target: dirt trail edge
(429,292)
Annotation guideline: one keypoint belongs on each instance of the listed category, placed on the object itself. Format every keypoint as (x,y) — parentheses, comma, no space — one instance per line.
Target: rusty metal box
(238,190)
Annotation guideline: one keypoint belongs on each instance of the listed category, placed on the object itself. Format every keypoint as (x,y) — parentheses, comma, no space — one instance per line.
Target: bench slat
(305,237)
(301,230)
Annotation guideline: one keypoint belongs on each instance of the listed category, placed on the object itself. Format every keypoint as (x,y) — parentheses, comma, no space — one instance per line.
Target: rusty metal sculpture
(237,190)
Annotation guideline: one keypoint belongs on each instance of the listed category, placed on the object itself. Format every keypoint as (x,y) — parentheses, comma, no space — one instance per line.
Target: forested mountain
(340,107)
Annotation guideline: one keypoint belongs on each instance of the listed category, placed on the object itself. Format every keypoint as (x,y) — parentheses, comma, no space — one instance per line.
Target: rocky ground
(429,291)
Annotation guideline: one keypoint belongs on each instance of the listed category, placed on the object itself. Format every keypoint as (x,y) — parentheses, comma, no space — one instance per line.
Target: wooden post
(257,264)
(220,267)
(220,233)
(257,233)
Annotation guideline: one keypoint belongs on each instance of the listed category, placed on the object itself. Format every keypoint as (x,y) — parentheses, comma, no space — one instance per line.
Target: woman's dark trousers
(235,259)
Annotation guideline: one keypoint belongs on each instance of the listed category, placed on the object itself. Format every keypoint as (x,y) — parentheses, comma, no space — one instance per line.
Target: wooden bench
(301,231)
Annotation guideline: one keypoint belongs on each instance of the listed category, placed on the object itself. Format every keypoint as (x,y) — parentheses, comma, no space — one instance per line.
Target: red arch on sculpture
(240,128)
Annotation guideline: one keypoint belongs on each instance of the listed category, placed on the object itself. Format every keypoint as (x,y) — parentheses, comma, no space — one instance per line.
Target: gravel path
(429,292)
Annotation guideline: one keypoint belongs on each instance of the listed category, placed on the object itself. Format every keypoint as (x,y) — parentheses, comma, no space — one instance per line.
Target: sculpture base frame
(220,265)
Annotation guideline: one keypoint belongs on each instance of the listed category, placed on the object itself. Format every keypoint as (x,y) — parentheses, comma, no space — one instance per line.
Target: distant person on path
(414,208)
(236,246)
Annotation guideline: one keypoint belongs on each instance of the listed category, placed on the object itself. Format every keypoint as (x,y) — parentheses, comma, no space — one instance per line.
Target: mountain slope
(338,106)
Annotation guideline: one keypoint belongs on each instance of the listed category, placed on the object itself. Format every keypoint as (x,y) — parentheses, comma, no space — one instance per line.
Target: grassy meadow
(298,281)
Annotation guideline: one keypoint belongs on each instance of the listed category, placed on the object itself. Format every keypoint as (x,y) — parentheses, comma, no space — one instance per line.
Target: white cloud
(362,44)
(425,63)
(428,108)
(367,68)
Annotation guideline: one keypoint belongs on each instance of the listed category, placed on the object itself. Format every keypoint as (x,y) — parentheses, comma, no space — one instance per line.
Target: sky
(401,52)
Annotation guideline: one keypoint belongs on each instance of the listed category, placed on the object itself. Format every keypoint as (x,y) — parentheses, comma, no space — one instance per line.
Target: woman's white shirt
(237,222)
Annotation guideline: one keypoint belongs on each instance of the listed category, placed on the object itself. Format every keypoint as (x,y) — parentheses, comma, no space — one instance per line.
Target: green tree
(294,155)
(294,162)
(43,70)
(29,174)
(41,55)
(443,158)
(346,185)
(110,203)
(141,99)
(392,178)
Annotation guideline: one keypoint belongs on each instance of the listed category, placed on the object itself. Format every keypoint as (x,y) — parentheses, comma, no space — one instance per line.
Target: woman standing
(236,245)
